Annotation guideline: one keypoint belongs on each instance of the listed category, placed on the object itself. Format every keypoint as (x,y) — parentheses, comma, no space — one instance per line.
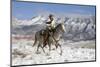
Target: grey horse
(59,29)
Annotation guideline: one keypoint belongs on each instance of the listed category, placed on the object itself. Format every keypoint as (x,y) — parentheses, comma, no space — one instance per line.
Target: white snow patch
(23,53)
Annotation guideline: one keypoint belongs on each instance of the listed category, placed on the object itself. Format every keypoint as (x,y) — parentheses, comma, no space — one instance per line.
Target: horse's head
(61,27)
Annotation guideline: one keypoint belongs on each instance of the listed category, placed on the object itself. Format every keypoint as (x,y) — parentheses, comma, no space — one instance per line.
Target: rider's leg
(45,39)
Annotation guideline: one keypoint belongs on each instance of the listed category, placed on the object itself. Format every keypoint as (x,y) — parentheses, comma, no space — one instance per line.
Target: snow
(23,53)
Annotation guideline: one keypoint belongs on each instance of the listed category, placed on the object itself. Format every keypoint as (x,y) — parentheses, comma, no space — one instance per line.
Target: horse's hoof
(60,54)
(47,54)
(49,58)
(66,60)
(37,52)
(53,49)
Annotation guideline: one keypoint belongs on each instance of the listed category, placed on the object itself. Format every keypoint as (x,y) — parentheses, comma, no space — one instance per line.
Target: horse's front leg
(49,46)
(42,46)
(38,47)
(60,48)
(56,44)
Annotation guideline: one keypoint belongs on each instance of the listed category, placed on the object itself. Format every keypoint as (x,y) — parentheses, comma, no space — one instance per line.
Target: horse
(57,33)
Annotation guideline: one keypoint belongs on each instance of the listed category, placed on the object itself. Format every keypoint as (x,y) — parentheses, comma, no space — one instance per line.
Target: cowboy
(50,23)
(50,27)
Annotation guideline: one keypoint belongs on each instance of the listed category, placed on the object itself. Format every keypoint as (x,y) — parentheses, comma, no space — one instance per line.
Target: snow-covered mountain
(78,27)
(34,20)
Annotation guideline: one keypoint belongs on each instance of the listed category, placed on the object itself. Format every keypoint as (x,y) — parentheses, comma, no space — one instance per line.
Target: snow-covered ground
(23,53)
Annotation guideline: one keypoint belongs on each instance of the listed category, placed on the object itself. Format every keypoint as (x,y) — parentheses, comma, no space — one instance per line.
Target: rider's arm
(49,22)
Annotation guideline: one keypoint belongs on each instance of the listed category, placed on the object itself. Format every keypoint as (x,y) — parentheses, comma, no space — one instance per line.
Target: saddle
(46,31)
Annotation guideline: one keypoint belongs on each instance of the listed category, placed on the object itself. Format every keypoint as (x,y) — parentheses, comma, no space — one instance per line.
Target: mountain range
(78,27)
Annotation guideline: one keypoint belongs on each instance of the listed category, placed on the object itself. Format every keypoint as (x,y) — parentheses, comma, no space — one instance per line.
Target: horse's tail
(35,41)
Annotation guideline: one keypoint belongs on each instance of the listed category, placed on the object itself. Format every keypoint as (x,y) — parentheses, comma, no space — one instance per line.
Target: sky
(27,10)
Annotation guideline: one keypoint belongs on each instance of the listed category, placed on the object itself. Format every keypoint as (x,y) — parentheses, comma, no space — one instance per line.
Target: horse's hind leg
(37,52)
(34,43)
(41,47)
(38,47)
